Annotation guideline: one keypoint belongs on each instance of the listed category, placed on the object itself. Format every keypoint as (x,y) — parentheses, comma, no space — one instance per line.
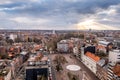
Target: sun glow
(92,24)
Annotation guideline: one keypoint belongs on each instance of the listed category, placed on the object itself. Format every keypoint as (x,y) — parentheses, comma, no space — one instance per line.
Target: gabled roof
(92,56)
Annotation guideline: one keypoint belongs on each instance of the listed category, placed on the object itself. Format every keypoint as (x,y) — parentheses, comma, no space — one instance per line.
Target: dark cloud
(60,12)
(12,5)
(53,7)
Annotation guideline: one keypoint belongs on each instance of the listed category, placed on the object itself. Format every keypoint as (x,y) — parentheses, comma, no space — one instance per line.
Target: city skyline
(60,14)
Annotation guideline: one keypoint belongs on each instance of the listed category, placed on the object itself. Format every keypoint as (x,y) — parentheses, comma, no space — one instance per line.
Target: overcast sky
(60,14)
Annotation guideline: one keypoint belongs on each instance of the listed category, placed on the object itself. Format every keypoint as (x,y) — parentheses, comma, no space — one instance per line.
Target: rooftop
(92,56)
(117,51)
(104,42)
(101,47)
(116,69)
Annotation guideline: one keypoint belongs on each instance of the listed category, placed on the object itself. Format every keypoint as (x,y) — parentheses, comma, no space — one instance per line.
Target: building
(24,55)
(37,47)
(68,45)
(13,36)
(36,73)
(104,46)
(110,71)
(90,48)
(114,56)
(101,48)
(17,62)
(102,69)
(90,60)
(116,71)
(38,68)
(63,46)
(75,51)
(117,43)
(113,71)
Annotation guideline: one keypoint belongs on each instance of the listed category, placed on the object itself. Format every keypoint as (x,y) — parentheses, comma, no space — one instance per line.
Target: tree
(10,41)
(94,41)
(29,39)
(18,39)
(72,76)
(60,59)
(52,44)
(41,77)
(38,41)
(101,54)
(59,67)
(3,55)
(81,36)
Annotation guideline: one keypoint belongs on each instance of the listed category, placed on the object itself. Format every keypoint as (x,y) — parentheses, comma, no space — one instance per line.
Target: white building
(63,46)
(13,36)
(114,56)
(90,60)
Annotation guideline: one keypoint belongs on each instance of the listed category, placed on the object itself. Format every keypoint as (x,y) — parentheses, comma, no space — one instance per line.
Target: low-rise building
(104,46)
(63,46)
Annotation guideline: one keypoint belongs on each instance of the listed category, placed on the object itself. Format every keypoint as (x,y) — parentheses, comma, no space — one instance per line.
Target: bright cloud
(91,24)
(29,20)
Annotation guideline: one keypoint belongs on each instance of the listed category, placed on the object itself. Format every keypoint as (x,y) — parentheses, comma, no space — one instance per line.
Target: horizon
(53,30)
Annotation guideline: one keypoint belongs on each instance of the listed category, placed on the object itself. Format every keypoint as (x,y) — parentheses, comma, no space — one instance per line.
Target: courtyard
(70,69)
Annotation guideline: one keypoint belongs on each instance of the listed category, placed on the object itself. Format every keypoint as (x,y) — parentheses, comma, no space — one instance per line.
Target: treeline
(52,43)
(18,40)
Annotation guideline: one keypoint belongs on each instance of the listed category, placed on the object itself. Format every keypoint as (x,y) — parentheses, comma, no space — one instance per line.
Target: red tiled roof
(93,56)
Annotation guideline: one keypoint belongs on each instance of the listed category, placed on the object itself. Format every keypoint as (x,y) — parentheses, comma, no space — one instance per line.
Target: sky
(60,14)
